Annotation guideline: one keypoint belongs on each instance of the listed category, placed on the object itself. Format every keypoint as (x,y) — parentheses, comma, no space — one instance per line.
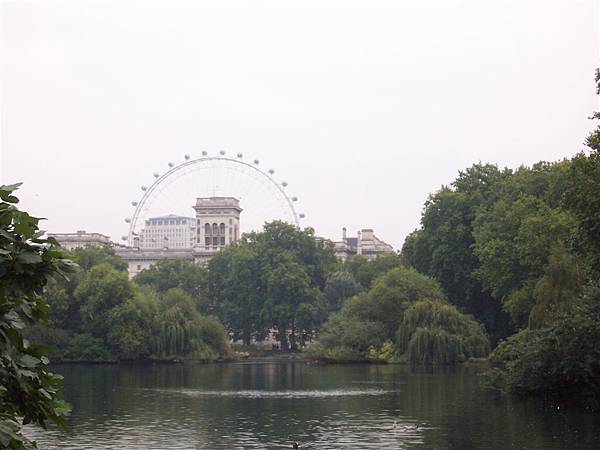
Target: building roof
(170,216)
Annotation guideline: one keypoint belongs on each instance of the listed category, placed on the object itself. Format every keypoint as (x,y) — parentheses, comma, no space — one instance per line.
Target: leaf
(29,258)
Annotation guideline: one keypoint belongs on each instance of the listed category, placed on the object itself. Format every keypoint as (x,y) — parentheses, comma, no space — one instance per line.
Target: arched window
(207,229)
(215,229)
(222,229)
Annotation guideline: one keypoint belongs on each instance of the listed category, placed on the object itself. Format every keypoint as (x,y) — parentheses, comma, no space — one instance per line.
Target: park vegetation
(101,315)
(520,251)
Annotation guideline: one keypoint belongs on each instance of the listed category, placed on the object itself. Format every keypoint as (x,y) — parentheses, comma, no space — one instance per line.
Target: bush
(563,358)
(87,348)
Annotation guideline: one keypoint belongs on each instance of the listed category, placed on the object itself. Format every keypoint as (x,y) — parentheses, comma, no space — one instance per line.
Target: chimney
(344,233)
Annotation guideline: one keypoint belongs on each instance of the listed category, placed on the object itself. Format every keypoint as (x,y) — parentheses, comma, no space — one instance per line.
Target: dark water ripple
(270,405)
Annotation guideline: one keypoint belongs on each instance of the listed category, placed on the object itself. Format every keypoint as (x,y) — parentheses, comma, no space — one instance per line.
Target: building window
(207,241)
(207,229)
(139,267)
(215,229)
(222,229)
(215,241)
(222,240)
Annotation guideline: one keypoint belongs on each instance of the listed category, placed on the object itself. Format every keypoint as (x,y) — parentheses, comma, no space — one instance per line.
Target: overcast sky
(362,107)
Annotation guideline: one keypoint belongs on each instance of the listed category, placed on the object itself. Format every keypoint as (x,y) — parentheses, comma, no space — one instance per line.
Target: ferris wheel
(261,197)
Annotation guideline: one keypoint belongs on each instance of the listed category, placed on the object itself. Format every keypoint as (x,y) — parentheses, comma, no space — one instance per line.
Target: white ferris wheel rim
(188,163)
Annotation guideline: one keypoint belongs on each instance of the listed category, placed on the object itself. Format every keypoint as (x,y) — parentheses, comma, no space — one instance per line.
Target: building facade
(174,232)
(80,238)
(365,244)
(218,223)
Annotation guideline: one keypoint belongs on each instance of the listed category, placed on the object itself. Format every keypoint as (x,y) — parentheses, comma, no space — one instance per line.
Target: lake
(273,402)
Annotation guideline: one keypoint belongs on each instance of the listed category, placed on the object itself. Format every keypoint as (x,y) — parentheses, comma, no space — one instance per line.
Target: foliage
(88,257)
(391,294)
(368,320)
(561,358)
(129,334)
(582,200)
(365,270)
(443,246)
(87,348)
(436,333)
(178,273)
(28,392)
(100,290)
(180,331)
(271,280)
(345,331)
(340,286)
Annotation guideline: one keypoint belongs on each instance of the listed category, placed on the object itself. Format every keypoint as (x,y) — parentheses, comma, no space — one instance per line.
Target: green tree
(289,302)
(29,393)
(436,333)
(180,331)
(178,273)
(370,319)
(365,270)
(270,279)
(88,257)
(100,290)
(130,330)
(389,297)
(560,358)
(339,287)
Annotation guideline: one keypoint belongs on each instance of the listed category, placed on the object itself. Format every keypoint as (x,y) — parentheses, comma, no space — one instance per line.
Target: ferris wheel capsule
(123,238)
(284,183)
(128,220)
(134,203)
(222,152)
(186,157)
(256,161)
(204,153)
(240,155)
(171,164)
(156,174)
(271,171)
(144,188)
(294,199)
(301,215)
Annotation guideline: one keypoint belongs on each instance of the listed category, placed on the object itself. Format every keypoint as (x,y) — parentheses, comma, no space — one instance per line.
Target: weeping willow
(436,333)
(180,331)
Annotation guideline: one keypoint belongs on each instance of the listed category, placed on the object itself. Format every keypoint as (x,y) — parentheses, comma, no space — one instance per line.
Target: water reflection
(258,405)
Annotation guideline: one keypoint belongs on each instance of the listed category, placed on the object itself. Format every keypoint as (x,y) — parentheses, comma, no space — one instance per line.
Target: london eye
(262,197)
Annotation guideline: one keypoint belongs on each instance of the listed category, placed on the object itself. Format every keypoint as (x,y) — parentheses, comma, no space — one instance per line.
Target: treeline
(520,251)
(98,314)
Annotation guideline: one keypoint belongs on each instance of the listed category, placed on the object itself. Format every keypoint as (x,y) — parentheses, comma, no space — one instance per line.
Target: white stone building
(365,244)
(216,225)
(173,232)
(80,238)
(218,222)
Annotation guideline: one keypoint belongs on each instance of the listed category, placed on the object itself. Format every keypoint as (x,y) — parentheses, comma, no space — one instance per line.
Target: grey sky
(363,107)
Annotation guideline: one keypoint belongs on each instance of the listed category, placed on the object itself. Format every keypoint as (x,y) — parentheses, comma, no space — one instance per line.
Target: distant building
(175,232)
(139,259)
(81,238)
(365,244)
(216,225)
(218,220)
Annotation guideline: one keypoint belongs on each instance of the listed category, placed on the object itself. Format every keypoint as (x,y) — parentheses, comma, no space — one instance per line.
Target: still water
(270,404)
